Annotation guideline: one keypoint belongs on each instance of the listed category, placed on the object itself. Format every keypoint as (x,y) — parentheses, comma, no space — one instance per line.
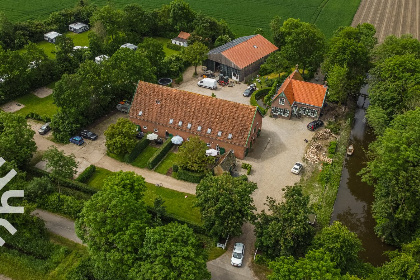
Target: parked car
(297,168)
(139,135)
(315,124)
(44,129)
(124,106)
(77,140)
(238,254)
(86,134)
(250,90)
(208,83)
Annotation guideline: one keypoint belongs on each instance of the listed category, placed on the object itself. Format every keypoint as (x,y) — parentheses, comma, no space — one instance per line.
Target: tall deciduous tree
(120,138)
(110,18)
(342,244)
(225,203)
(285,231)
(171,252)
(196,54)
(61,165)
(275,63)
(394,171)
(337,83)
(316,265)
(192,155)
(350,47)
(16,139)
(113,224)
(301,43)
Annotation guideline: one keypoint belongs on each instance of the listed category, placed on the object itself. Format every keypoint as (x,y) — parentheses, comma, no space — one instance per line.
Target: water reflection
(354,198)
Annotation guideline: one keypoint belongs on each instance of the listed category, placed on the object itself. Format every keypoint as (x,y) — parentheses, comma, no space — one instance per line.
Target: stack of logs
(313,154)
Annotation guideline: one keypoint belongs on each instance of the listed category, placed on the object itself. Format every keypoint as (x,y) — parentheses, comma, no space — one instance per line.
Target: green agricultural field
(243,16)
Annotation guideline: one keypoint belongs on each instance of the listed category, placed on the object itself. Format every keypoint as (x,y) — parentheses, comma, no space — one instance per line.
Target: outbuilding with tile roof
(295,97)
(222,124)
(241,58)
(181,39)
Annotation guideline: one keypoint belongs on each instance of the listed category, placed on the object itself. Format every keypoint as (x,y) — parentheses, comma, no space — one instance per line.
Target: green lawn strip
(170,159)
(98,177)
(80,39)
(178,204)
(48,48)
(141,160)
(165,41)
(42,106)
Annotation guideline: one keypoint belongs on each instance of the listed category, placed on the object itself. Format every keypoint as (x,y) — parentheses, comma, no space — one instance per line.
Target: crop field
(395,17)
(243,16)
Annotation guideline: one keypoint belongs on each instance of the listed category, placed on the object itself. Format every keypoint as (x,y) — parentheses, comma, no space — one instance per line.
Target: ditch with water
(354,198)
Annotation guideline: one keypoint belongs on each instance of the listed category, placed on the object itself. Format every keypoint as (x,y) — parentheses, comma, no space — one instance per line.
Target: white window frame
(171,121)
(282,100)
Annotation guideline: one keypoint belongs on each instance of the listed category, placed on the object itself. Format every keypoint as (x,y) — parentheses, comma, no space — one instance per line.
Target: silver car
(297,168)
(238,254)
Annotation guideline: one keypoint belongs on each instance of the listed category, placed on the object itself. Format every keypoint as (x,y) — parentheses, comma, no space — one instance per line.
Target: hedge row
(63,182)
(38,117)
(257,95)
(160,154)
(140,146)
(62,204)
(173,47)
(189,176)
(86,174)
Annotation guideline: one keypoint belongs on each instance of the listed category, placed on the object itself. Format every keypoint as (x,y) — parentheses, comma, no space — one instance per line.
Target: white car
(238,254)
(297,168)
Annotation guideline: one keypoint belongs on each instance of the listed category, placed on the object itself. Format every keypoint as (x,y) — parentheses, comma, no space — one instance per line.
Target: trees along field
(349,55)
(394,81)
(299,43)
(16,139)
(285,230)
(225,203)
(394,171)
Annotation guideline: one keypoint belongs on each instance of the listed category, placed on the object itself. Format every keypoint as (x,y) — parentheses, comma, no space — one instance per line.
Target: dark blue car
(77,140)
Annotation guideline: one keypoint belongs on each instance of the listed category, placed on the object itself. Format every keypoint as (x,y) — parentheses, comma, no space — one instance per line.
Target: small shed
(78,27)
(182,39)
(129,46)
(51,36)
(101,58)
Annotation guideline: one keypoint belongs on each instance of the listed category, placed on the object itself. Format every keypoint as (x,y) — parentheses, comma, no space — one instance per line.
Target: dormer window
(219,133)
(155,130)
(199,128)
(281,101)
(208,130)
(140,113)
(230,136)
(180,123)
(189,126)
(171,121)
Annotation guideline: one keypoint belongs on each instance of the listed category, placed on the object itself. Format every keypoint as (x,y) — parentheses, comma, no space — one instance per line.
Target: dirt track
(395,17)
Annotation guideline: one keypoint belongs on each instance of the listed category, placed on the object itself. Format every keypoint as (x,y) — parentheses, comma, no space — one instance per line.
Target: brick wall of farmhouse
(286,111)
(240,151)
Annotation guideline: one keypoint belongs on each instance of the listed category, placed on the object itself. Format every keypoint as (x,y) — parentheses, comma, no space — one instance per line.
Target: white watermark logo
(5,207)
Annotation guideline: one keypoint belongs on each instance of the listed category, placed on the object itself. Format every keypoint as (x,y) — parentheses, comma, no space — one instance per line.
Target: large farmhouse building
(222,124)
(295,97)
(240,58)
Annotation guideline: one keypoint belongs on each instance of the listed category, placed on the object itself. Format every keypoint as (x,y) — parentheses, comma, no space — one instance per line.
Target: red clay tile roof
(184,35)
(248,52)
(160,104)
(297,90)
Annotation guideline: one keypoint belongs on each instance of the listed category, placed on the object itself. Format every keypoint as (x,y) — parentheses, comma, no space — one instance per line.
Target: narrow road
(58,225)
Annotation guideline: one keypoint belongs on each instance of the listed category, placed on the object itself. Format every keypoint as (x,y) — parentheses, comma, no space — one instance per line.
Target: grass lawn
(165,41)
(80,39)
(42,106)
(170,159)
(176,203)
(141,160)
(98,177)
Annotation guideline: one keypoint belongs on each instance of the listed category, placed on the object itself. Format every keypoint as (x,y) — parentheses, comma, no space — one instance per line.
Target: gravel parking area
(280,145)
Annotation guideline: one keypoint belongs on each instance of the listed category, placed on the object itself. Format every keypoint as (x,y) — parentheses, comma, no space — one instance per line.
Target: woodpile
(314,154)
(324,135)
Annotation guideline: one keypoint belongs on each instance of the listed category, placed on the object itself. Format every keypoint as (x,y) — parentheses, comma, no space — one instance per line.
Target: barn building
(241,58)
(222,124)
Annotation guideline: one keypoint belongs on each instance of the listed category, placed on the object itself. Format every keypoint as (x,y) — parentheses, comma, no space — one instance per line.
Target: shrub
(173,47)
(160,154)
(333,126)
(62,204)
(179,79)
(38,117)
(248,167)
(175,168)
(140,146)
(332,147)
(86,174)
(38,188)
(190,176)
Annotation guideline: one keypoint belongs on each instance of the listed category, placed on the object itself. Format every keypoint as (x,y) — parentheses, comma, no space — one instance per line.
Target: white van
(208,83)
